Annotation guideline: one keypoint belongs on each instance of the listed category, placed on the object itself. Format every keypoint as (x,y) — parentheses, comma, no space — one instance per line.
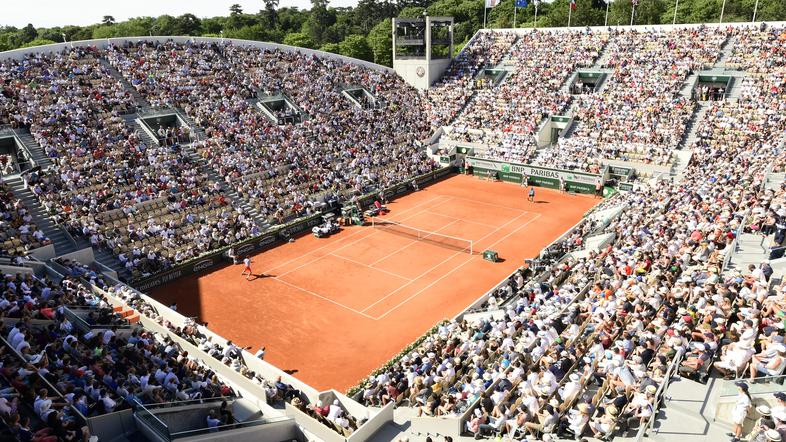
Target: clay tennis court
(333,309)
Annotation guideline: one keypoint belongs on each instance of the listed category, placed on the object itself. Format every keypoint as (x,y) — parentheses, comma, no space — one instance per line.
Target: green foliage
(380,39)
(356,46)
(330,47)
(299,39)
(365,31)
(38,42)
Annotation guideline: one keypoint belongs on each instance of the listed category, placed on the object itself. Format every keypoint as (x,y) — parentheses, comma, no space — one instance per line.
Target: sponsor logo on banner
(201,265)
(532,171)
(297,228)
(245,248)
(160,280)
(266,241)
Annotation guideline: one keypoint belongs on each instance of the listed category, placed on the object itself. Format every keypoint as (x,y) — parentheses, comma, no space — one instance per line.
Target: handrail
(675,363)
(232,426)
(733,246)
(158,425)
(759,380)
(190,401)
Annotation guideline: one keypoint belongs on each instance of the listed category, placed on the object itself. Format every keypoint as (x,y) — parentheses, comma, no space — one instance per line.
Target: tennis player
(531,195)
(247,268)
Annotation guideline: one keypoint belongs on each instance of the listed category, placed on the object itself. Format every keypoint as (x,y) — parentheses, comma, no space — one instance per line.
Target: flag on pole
(491,3)
(521,3)
(573,5)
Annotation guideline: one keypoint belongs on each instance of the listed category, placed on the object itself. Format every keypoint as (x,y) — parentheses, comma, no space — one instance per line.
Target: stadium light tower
(422,48)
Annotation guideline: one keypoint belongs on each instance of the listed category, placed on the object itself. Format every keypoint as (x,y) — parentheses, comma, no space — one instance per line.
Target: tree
(27,34)
(330,47)
(356,46)
(270,11)
(213,25)
(108,20)
(299,39)
(319,20)
(37,42)
(188,24)
(380,39)
(255,32)
(585,14)
(165,25)
(235,9)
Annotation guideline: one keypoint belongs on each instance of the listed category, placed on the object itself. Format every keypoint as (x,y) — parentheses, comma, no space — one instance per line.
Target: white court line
(411,243)
(369,266)
(489,204)
(311,252)
(321,297)
(460,219)
(453,270)
(442,262)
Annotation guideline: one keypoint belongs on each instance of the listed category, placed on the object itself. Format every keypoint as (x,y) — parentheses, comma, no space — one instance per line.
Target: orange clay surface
(331,310)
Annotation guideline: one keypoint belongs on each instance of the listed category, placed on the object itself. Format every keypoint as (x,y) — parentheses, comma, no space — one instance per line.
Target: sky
(50,13)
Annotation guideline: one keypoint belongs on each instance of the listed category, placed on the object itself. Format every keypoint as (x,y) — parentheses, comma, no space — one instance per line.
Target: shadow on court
(255,276)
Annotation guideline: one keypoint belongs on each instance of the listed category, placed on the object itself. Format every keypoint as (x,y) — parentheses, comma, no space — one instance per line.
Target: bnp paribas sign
(537,175)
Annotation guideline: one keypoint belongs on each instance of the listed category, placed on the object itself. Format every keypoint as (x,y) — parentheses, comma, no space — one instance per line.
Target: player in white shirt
(247,268)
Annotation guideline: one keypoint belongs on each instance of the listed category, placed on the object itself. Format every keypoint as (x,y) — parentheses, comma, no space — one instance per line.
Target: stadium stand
(585,340)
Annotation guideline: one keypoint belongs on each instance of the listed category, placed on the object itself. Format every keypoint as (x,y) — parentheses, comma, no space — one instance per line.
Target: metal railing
(729,389)
(233,426)
(153,422)
(144,412)
(664,386)
(733,246)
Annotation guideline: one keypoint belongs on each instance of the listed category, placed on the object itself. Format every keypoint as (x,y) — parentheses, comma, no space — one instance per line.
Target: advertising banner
(576,181)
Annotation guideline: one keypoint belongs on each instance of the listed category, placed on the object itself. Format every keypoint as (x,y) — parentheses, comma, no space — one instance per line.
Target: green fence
(580,182)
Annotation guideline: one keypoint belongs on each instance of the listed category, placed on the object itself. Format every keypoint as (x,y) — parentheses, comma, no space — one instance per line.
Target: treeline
(364,31)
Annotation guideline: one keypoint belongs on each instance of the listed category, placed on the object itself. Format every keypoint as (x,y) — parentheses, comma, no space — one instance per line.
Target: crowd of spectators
(541,62)
(639,115)
(60,367)
(582,351)
(586,353)
(445,99)
(282,169)
(277,391)
(18,232)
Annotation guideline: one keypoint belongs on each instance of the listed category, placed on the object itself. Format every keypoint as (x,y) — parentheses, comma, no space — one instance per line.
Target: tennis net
(450,242)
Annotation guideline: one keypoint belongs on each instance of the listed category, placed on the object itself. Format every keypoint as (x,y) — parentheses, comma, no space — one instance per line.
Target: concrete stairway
(687,413)
(33,148)
(681,160)
(688,84)
(229,192)
(196,130)
(696,121)
(140,100)
(108,258)
(605,57)
(130,120)
(751,249)
(726,51)
(62,242)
